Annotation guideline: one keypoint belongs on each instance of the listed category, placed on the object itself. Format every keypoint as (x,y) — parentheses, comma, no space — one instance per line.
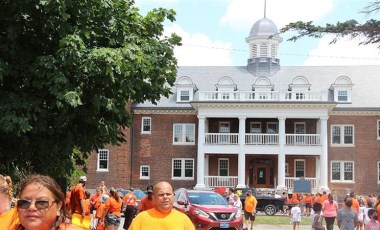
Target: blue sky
(214,31)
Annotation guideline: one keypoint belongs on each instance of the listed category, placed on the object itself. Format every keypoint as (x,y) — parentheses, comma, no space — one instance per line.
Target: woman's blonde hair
(6,185)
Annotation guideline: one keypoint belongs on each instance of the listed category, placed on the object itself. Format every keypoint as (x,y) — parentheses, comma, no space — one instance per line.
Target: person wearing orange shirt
(78,197)
(163,216)
(147,202)
(130,202)
(99,222)
(112,211)
(250,204)
(308,203)
(8,216)
(318,199)
(68,198)
(355,203)
(95,203)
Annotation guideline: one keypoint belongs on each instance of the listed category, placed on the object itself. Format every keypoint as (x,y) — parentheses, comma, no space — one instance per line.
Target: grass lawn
(279,220)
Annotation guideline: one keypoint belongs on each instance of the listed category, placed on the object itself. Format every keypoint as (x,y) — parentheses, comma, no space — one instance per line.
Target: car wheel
(270,210)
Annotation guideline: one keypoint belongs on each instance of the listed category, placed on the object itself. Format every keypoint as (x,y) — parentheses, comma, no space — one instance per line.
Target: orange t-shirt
(68,198)
(114,206)
(9,220)
(318,199)
(130,199)
(87,205)
(77,194)
(95,199)
(355,205)
(308,199)
(100,211)
(146,204)
(250,203)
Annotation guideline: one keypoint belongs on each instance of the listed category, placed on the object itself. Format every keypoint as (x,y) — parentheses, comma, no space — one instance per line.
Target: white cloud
(345,52)
(199,50)
(242,14)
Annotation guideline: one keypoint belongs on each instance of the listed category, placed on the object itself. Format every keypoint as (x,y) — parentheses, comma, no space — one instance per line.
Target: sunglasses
(39,204)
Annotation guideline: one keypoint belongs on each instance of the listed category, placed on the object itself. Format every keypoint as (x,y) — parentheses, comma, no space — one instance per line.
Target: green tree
(68,70)
(370,30)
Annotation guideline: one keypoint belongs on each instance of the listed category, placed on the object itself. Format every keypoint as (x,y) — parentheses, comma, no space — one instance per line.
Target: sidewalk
(285,227)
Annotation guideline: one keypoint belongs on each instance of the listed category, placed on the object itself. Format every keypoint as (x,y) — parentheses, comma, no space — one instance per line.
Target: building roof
(365,81)
(263,27)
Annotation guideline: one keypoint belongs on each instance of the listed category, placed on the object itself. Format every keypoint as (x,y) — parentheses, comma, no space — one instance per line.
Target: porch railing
(222,138)
(262,139)
(263,96)
(303,139)
(232,181)
(220,181)
(289,183)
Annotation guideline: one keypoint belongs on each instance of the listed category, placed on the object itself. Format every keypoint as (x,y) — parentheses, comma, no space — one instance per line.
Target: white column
(241,156)
(324,154)
(201,154)
(281,154)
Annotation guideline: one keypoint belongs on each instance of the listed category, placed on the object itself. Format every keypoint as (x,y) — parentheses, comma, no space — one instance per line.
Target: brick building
(258,125)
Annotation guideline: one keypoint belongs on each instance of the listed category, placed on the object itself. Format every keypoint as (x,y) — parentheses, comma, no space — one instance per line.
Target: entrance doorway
(262,173)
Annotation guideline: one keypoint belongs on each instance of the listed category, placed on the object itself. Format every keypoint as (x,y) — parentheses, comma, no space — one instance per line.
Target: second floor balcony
(290,96)
(262,139)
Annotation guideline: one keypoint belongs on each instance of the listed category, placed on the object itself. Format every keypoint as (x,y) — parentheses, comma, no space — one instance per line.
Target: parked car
(268,204)
(138,193)
(208,209)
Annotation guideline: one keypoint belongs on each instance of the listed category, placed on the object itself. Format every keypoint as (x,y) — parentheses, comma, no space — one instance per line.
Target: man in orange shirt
(250,204)
(147,203)
(78,197)
(130,202)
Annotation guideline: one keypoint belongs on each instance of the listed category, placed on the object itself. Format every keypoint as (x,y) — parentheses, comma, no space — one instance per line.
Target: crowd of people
(42,205)
(357,212)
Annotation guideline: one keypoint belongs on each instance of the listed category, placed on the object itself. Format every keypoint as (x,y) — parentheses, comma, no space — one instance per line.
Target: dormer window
(342,89)
(184,95)
(342,95)
(185,89)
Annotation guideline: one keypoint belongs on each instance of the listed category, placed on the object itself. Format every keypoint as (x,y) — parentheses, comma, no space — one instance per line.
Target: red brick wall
(157,151)
(366,154)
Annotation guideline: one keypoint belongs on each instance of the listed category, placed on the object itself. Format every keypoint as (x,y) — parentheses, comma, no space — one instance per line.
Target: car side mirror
(181,202)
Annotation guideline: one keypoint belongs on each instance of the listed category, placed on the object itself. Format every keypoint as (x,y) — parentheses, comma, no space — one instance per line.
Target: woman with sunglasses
(41,205)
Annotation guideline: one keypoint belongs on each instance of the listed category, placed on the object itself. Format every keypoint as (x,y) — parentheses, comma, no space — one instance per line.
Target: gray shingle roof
(365,80)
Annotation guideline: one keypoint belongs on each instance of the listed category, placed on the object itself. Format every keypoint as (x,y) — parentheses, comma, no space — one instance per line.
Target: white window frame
(340,96)
(103,155)
(144,169)
(143,124)
(251,126)
(228,125)
(183,162)
(286,169)
(342,171)
(185,89)
(378,129)
(342,136)
(220,160)
(295,167)
(183,134)
(272,123)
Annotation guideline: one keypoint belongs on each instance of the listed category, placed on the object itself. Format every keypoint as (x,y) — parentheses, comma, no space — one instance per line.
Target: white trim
(378,129)
(142,125)
(254,123)
(286,169)
(295,166)
(183,134)
(141,171)
(228,165)
(342,171)
(183,167)
(378,172)
(299,123)
(107,159)
(342,135)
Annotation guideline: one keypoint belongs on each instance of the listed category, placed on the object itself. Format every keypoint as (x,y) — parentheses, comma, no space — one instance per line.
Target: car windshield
(207,199)
(139,194)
